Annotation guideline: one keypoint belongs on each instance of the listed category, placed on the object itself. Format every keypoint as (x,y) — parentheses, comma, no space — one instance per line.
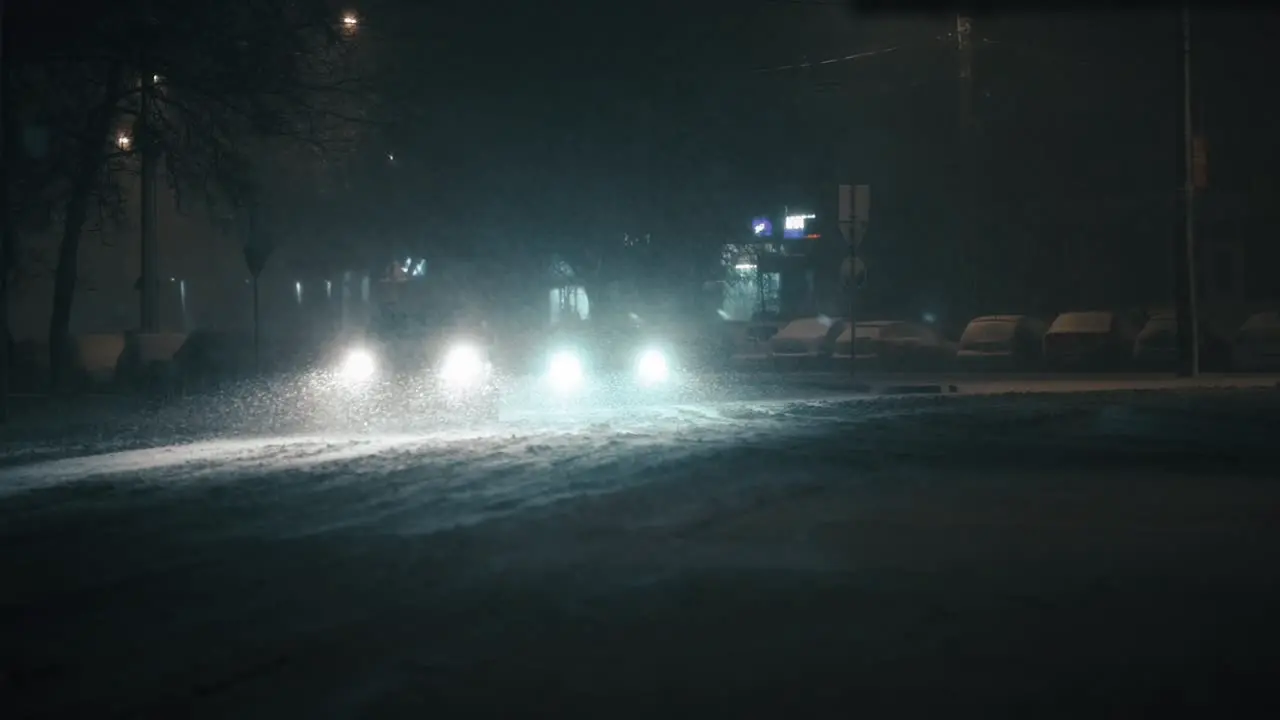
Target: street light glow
(123,141)
(350,20)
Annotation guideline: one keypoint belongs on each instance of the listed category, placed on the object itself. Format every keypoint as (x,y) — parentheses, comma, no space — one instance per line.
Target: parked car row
(1086,340)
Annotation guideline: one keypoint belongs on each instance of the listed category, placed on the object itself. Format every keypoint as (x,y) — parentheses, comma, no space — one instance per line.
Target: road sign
(854,212)
(862,202)
(846,230)
(859,275)
(255,258)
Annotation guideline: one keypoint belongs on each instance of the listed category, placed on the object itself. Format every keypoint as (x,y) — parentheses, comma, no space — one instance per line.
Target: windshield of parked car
(1083,322)
(988,331)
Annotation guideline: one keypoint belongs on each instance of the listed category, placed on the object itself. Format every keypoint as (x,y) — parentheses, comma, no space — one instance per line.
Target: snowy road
(887,553)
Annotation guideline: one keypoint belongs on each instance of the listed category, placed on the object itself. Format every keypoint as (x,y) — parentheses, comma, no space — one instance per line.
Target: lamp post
(1186,300)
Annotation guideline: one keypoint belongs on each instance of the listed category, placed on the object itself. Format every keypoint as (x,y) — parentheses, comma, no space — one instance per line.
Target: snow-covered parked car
(1257,343)
(895,345)
(1093,339)
(1156,346)
(807,340)
(1002,341)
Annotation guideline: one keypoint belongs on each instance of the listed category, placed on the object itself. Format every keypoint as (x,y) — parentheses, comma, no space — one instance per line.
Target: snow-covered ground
(874,554)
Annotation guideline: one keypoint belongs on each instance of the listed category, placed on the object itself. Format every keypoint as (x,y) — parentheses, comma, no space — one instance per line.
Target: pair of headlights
(463,366)
(566,372)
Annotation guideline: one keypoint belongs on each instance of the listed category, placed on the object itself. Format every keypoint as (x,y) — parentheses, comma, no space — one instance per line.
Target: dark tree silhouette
(231,88)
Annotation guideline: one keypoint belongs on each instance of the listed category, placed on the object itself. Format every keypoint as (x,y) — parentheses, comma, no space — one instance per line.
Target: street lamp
(350,21)
(124,142)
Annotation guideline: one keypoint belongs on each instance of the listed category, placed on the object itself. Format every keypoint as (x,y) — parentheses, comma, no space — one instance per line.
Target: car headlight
(358,365)
(652,367)
(565,371)
(464,366)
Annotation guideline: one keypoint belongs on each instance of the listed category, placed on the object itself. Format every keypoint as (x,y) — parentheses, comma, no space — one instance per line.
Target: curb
(893,389)
(936,389)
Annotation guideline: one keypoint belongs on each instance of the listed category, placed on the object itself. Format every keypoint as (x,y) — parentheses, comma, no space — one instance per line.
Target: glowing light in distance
(565,371)
(359,365)
(797,222)
(464,366)
(651,367)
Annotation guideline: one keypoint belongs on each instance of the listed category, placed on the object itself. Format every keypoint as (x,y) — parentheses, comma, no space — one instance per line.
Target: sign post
(257,250)
(853,214)
(1194,171)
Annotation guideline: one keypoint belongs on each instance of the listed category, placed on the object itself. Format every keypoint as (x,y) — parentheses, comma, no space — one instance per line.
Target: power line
(830,61)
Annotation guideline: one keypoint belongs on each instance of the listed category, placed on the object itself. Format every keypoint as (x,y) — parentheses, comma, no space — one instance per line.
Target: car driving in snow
(410,375)
(610,364)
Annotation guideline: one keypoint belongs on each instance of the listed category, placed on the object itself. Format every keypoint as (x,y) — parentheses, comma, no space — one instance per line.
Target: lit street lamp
(350,21)
(124,142)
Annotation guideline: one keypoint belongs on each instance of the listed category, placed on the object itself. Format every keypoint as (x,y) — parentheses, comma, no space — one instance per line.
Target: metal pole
(257,332)
(1183,246)
(1189,188)
(150,271)
(853,307)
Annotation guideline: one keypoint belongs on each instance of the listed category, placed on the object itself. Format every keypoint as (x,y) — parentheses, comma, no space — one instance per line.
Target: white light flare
(565,371)
(464,367)
(652,368)
(358,366)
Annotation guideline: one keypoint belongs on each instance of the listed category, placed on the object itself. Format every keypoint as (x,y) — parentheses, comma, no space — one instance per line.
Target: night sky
(674,118)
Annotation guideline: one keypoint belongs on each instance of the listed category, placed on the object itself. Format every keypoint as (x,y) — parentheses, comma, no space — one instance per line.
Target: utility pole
(964,57)
(150,285)
(966,156)
(1186,302)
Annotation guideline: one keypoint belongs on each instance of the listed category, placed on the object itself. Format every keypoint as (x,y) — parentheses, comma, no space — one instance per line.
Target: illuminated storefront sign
(761,227)
(795,226)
